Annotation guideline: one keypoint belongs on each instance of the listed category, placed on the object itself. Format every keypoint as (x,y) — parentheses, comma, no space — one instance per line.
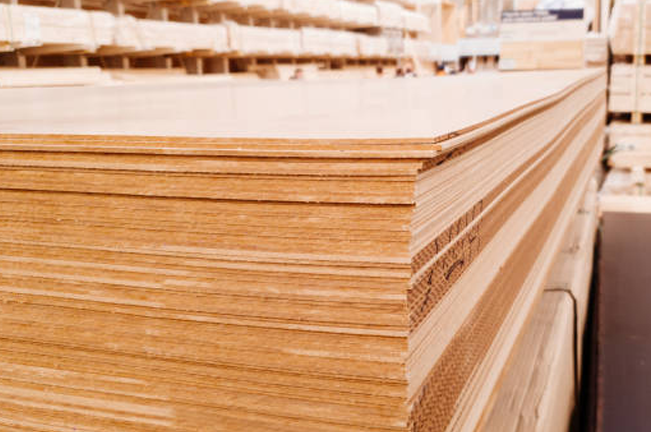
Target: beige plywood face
(426,108)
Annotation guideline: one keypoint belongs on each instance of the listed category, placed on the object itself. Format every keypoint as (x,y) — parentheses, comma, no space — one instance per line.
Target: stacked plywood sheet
(372,46)
(264,41)
(49,77)
(596,49)
(41,30)
(357,15)
(415,21)
(630,78)
(326,42)
(542,39)
(389,14)
(351,257)
(630,88)
(313,9)
(629,28)
(540,384)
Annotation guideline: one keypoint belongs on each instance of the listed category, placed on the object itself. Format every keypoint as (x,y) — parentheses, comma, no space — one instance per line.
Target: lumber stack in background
(359,275)
(596,49)
(49,77)
(539,389)
(630,81)
(542,39)
(629,27)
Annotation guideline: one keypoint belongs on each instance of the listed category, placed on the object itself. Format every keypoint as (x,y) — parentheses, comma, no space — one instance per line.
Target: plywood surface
(425,109)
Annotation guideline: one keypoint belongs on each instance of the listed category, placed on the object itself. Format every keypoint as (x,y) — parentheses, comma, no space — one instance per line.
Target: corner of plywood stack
(181,284)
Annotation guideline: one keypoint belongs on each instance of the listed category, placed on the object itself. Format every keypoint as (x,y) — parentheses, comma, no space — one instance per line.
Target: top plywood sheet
(426,110)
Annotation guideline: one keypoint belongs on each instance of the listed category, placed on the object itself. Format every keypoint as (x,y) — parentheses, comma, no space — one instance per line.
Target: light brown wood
(369,273)
(537,390)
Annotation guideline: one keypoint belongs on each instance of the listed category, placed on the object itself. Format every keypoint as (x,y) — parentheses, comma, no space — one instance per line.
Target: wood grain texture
(345,279)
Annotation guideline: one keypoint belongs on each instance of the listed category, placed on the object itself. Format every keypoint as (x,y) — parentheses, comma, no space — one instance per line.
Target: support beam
(158,12)
(75,61)
(71,4)
(116,7)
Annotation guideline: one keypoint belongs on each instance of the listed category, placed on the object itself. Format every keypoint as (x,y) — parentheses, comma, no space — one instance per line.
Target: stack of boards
(542,39)
(371,273)
(630,42)
(540,384)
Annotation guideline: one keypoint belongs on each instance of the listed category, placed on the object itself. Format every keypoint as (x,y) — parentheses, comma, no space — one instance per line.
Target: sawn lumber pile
(371,272)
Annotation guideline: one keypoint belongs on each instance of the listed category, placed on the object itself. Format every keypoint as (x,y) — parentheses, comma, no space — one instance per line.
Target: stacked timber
(264,41)
(166,37)
(390,15)
(357,15)
(630,28)
(372,46)
(350,257)
(247,6)
(41,30)
(50,77)
(312,9)
(415,21)
(630,89)
(630,82)
(596,49)
(320,42)
(539,388)
(542,39)
(37,30)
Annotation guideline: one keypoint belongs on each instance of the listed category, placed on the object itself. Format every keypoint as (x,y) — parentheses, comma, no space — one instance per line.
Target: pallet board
(322,262)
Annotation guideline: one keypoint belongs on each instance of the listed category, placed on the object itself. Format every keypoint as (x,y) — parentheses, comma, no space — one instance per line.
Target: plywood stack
(49,77)
(328,43)
(358,15)
(372,46)
(630,82)
(415,21)
(629,28)
(389,14)
(261,41)
(371,272)
(539,389)
(542,39)
(596,49)
(43,30)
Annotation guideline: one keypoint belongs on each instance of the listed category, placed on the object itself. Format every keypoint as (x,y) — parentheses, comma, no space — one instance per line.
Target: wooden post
(158,12)
(71,4)
(21,60)
(76,60)
(116,7)
(193,65)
